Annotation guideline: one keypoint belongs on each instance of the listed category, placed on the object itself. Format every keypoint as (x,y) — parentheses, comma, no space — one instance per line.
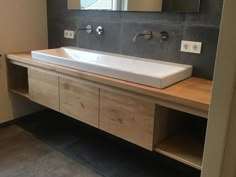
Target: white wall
(229,160)
(219,156)
(23,27)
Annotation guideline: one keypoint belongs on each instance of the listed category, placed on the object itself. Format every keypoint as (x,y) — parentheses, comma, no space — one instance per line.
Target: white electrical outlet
(185,46)
(69,34)
(196,47)
(191,47)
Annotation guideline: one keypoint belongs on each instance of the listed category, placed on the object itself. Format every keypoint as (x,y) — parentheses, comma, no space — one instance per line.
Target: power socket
(185,46)
(191,47)
(69,34)
(196,47)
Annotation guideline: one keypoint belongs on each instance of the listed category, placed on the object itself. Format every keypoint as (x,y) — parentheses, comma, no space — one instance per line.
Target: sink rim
(137,77)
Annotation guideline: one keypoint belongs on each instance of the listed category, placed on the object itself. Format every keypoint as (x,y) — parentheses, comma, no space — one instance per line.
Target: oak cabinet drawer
(44,88)
(79,100)
(128,118)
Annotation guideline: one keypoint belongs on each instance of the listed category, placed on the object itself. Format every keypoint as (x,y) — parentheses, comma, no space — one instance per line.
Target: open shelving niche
(180,136)
(18,80)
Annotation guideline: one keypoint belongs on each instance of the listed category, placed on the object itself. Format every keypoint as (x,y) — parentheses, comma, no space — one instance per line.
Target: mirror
(136,5)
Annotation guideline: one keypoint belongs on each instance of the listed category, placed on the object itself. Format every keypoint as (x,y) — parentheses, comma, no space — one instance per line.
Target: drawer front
(44,88)
(127,118)
(80,101)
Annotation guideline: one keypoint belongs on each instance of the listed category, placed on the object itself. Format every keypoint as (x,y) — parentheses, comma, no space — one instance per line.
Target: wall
(120,28)
(23,25)
(23,28)
(229,160)
(219,156)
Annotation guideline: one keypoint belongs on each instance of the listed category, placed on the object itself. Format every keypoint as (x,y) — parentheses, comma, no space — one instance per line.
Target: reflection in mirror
(116,5)
(96,4)
(136,5)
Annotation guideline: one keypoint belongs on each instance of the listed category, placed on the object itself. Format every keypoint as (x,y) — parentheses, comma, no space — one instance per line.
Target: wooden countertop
(193,93)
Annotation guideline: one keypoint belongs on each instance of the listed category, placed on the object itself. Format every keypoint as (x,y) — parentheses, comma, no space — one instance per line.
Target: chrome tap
(88,29)
(100,30)
(147,34)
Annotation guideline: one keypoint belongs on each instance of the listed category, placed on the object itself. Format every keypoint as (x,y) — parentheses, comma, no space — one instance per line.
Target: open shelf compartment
(180,136)
(18,80)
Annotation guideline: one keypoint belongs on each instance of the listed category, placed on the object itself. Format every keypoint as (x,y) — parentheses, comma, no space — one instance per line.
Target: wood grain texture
(44,88)
(162,126)
(192,95)
(127,118)
(79,101)
(179,137)
(183,149)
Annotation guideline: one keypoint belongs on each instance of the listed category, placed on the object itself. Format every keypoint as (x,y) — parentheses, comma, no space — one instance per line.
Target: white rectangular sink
(149,72)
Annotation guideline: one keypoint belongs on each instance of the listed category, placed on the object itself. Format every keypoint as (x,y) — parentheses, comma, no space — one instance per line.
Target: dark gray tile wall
(120,28)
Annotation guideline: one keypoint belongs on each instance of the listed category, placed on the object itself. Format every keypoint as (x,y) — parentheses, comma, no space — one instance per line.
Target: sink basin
(149,72)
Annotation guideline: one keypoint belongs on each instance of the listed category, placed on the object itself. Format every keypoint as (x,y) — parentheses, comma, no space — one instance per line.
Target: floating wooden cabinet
(142,115)
(79,100)
(44,88)
(128,118)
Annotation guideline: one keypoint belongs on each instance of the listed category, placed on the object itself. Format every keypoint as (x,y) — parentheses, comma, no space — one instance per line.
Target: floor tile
(49,144)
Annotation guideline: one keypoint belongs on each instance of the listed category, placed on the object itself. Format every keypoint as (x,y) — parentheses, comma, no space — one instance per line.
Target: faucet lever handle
(163,36)
(100,30)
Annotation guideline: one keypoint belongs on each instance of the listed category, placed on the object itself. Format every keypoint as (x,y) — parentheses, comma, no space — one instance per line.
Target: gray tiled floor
(22,155)
(49,144)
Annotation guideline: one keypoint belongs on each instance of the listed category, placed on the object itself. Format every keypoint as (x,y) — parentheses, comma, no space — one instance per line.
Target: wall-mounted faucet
(147,34)
(88,29)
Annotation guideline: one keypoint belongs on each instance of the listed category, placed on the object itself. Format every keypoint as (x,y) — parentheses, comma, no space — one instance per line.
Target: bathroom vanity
(155,119)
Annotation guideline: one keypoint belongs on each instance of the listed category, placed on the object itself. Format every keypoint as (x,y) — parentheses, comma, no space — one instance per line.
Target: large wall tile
(121,27)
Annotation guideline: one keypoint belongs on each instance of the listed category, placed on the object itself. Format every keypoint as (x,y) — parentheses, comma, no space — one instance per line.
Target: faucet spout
(88,29)
(147,34)
(136,36)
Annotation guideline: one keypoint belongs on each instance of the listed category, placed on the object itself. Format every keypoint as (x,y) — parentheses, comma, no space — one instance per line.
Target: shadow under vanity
(171,121)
